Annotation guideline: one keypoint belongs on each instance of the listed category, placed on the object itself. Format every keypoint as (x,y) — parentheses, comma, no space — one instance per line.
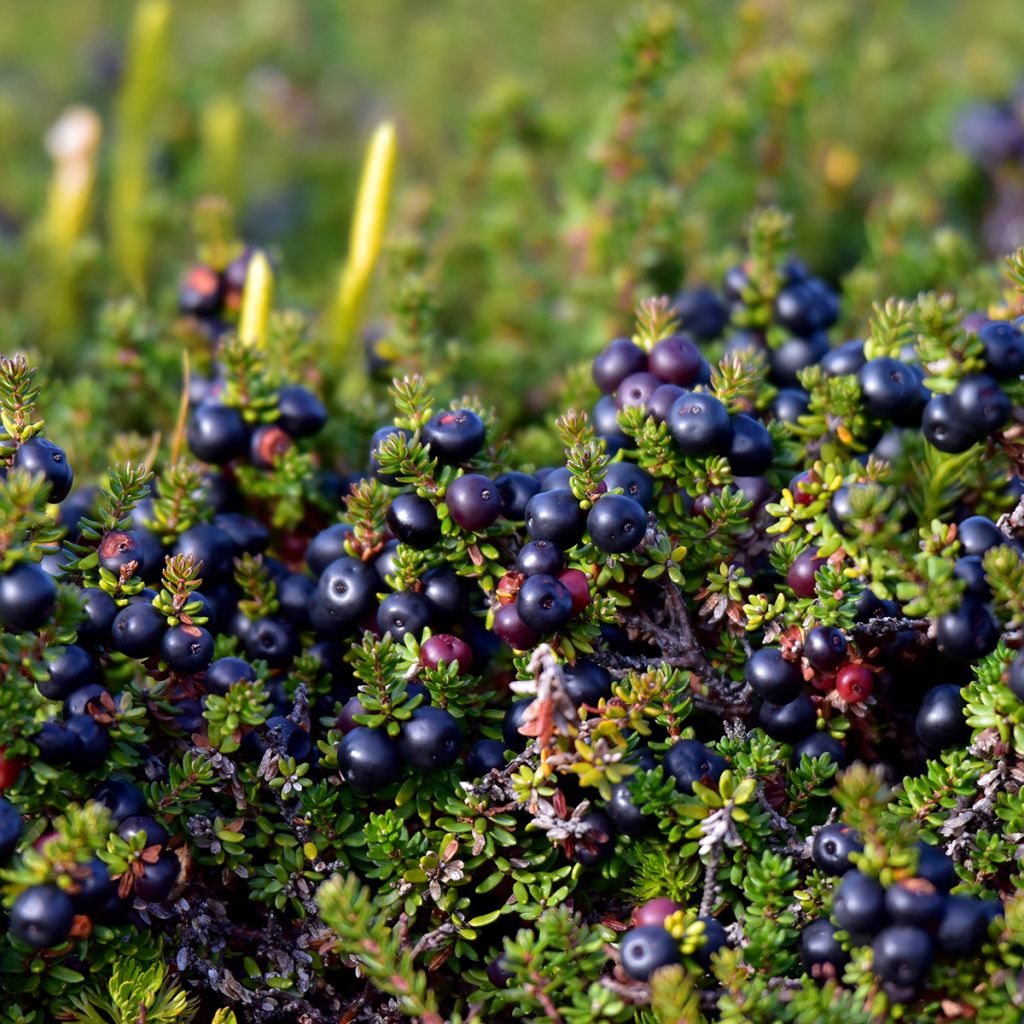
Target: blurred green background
(557,161)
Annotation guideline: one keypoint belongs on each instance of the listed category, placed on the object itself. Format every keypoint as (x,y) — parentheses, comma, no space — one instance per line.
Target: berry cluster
(533,706)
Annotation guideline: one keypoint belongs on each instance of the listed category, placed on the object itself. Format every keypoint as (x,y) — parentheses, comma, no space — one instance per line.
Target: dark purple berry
(788,723)
(859,904)
(69,668)
(903,955)
(473,501)
(700,425)
(555,516)
(217,434)
(544,604)
(772,677)
(413,520)
(430,739)
(41,916)
(137,631)
(676,360)
(819,946)
(38,455)
(10,829)
(688,761)
(647,948)
(369,759)
(511,629)
(484,756)
(157,880)
(454,436)
(27,597)
(187,649)
(825,647)
(833,844)
(402,613)
(618,360)
(616,523)
(940,722)
(968,632)
(299,411)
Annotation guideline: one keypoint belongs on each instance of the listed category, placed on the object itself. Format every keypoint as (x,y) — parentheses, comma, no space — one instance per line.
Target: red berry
(10,769)
(654,912)
(445,648)
(575,581)
(854,683)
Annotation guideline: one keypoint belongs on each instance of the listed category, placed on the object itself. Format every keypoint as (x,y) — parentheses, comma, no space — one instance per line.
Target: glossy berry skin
(454,436)
(369,759)
(511,629)
(57,745)
(676,360)
(637,389)
(514,717)
(544,604)
(688,761)
(654,912)
(700,425)
(430,739)
(801,575)
(299,412)
(27,597)
(978,534)
(10,829)
(633,481)
(963,928)
(295,592)
(605,417)
(647,948)
(789,405)
(980,403)
(272,640)
(217,434)
(516,489)
(122,798)
(968,632)
(223,673)
(1016,677)
(578,584)
(345,593)
(817,745)
(889,388)
(154,834)
(187,649)
(41,916)
(936,866)
(137,631)
(473,502)
(714,939)
(940,722)
(616,362)
(118,549)
(788,723)
(825,647)
(69,668)
(616,523)
(379,436)
(413,520)
(95,889)
(1004,349)
(659,405)
(942,429)
(555,516)
(844,360)
(624,815)
(555,479)
(267,444)
(832,847)
(445,594)
(750,448)
(210,545)
(157,880)
(903,955)
(540,556)
(100,611)
(327,547)
(859,904)
(586,682)
(445,649)
(773,678)
(915,901)
(38,455)
(819,947)
(484,756)
(401,613)
(854,683)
